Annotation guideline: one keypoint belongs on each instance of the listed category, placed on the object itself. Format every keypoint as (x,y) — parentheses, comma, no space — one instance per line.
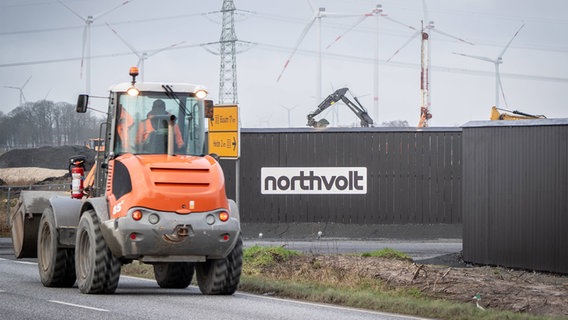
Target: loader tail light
(224,216)
(137,215)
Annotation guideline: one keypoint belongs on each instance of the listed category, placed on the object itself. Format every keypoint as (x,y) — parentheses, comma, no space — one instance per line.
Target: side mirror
(209,109)
(82,103)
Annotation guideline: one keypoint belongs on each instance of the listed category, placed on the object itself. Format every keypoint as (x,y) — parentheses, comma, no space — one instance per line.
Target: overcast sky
(42,39)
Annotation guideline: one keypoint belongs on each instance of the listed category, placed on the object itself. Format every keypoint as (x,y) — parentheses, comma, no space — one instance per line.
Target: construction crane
(339,94)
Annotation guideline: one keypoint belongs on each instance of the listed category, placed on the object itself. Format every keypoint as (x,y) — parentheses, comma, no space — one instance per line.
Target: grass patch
(257,257)
(387,253)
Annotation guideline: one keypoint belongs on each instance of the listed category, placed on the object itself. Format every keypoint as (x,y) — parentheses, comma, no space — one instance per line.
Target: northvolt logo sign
(320,180)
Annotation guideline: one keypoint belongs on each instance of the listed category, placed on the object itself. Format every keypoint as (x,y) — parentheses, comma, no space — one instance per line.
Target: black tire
(56,265)
(174,275)
(97,269)
(221,276)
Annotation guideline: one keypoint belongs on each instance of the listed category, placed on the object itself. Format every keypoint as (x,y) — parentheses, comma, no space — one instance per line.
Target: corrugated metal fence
(515,194)
(413,176)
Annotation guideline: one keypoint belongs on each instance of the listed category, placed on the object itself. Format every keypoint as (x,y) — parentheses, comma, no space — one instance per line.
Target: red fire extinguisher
(77,172)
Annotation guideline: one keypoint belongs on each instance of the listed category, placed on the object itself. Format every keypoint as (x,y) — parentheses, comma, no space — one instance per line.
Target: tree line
(45,123)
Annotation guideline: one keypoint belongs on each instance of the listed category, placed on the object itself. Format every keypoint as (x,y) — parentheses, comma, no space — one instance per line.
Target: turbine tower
(228,70)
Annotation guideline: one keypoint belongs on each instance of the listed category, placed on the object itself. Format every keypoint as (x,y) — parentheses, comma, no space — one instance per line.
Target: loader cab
(160,119)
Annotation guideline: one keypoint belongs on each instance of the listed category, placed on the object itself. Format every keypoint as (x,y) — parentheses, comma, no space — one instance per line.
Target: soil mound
(46,157)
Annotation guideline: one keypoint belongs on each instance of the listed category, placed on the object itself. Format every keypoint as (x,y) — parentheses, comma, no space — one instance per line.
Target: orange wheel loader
(154,195)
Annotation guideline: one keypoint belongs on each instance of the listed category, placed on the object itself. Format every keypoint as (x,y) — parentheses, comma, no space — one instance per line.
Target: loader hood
(181,184)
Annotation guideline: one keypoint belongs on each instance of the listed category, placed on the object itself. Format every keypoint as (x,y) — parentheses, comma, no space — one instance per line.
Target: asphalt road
(22,296)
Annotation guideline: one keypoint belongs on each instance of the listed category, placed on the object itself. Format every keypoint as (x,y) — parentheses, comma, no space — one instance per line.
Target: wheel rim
(84,258)
(46,248)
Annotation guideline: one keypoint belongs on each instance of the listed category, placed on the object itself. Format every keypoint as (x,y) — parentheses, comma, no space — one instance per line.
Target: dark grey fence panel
(413,176)
(515,194)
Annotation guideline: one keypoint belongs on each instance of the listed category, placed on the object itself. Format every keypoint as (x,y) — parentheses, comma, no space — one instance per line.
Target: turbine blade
(339,15)
(358,22)
(425,12)
(124,41)
(302,36)
(73,11)
(311,6)
(399,22)
(111,9)
(453,37)
(508,44)
(164,48)
(404,45)
(475,57)
(26,82)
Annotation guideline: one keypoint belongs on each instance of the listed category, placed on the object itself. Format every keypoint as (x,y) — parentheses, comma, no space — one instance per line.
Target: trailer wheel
(174,275)
(221,276)
(56,265)
(97,269)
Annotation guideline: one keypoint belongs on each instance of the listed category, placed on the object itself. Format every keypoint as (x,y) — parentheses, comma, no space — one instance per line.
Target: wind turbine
(289,110)
(496,62)
(86,48)
(21,89)
(378,13)
(318,15)
(425,79)
(142,56)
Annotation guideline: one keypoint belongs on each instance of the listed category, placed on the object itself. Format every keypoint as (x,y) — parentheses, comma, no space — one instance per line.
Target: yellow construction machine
(512,115)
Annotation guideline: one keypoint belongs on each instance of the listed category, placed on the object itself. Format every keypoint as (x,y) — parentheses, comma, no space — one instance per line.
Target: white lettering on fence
(313,180)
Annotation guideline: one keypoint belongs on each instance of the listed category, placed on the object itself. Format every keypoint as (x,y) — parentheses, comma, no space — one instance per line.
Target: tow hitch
(179,234)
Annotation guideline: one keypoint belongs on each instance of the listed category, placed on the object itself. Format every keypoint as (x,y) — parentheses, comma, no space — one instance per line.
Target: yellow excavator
(512,115)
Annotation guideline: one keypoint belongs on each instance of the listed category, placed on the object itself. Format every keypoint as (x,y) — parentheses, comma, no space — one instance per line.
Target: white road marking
(18,261)
(79,306)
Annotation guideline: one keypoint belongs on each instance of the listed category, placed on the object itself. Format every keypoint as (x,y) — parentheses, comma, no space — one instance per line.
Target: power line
(305,52)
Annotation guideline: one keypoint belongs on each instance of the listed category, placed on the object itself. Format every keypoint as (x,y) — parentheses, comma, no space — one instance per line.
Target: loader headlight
(133,91)
(201,94)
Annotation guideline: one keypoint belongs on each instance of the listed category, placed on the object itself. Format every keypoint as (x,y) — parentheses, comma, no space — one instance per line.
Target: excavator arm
(339,94)
(512,115)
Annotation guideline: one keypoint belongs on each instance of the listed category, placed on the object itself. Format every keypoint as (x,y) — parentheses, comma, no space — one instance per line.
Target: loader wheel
(97,269)
(174,275)
(56,265)
(221,276)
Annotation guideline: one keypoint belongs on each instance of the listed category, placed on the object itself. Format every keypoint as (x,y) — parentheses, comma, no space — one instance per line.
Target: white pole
(497,87)
(319,64)
(376,69)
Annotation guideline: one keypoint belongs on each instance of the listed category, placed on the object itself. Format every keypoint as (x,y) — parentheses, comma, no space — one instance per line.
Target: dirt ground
(499,288)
